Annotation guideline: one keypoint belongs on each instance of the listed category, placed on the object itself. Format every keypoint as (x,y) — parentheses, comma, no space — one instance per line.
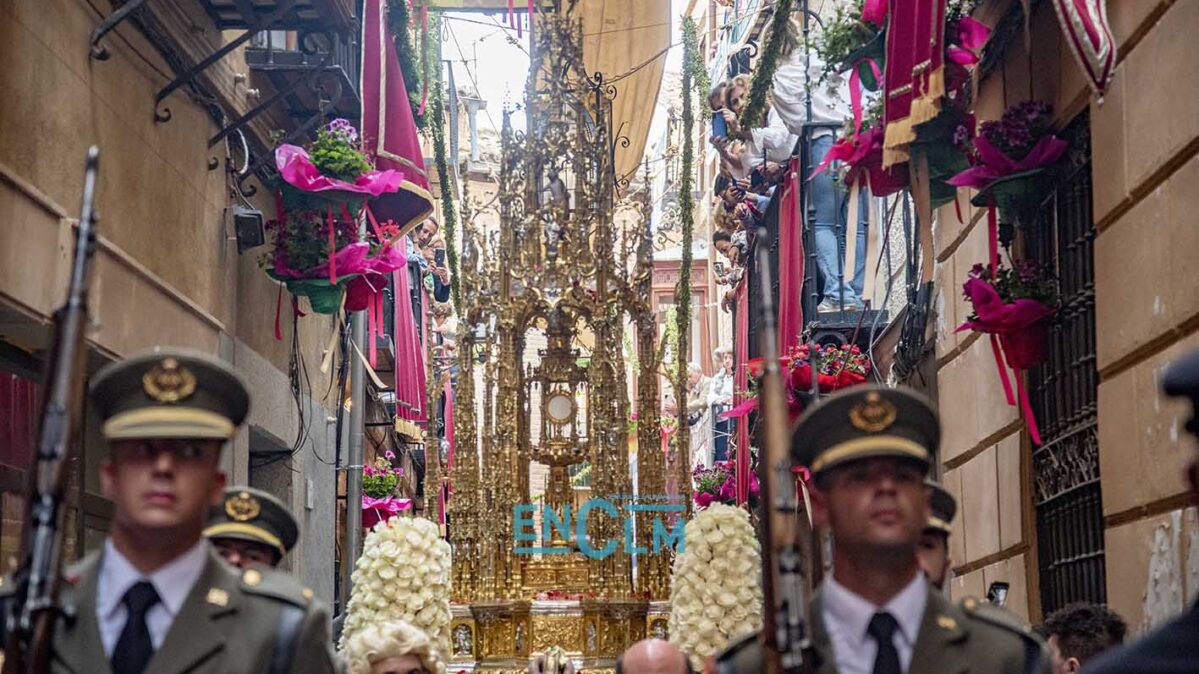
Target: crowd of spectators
(755,161)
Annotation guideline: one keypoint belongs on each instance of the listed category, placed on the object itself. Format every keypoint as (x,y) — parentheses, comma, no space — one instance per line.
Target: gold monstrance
(558,271)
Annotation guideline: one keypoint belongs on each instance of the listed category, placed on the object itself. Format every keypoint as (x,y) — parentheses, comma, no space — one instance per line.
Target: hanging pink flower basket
(375,510)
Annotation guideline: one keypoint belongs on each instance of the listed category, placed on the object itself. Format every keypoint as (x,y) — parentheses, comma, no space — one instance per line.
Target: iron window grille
(1064,391)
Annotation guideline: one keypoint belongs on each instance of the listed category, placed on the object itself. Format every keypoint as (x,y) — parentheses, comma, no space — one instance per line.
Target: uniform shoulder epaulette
(276,585)
(989,613)
(985,611)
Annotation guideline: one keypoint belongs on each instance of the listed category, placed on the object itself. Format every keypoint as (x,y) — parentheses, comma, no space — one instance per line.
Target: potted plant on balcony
(379,484)
(1011,159)
(1014,306)
(317,250)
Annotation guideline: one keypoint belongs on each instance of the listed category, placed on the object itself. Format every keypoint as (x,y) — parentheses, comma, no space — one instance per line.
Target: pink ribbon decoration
(375,510)
(855,92)
(993,237)
(278,310)
(875,12)
(995,164)
(972,36)
(1022,330)
(297,169)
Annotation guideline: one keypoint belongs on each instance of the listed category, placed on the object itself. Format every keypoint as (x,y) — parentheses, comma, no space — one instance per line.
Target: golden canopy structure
(568,268)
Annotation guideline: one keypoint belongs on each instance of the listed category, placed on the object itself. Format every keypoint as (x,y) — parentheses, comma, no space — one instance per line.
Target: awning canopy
(618,37)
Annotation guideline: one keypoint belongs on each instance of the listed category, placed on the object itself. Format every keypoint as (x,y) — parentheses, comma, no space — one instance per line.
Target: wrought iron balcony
(312,73)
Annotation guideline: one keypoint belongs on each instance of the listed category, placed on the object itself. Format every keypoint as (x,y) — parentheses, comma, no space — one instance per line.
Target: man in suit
(157,598)
(933,551)
(252,528)
(1172,648)
(869,449)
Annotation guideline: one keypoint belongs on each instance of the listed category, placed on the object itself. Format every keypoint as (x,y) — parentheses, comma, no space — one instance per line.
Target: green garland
(449,215)
(754,114)
(682,294)
(399,22)
(702,82)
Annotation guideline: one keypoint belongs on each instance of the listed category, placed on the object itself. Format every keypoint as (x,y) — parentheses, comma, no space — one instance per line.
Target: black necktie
(134,647)
(882,628)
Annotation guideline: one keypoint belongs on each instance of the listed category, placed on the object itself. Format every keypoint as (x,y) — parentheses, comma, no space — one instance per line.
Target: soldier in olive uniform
(869,449)
(933,551)
(157,598)
(252,528)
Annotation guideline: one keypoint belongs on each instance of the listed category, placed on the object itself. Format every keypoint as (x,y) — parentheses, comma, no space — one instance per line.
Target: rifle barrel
(34,609)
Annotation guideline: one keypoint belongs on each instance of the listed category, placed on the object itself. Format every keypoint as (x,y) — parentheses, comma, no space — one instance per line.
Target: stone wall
(1145,135)
(167,270)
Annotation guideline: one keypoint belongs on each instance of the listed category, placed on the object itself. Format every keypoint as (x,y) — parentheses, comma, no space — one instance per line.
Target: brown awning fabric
(619,36)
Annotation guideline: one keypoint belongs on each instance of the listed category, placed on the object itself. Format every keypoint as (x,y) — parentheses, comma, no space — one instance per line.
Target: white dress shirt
(830,99)
(172,582)
(773,143)
(847,617)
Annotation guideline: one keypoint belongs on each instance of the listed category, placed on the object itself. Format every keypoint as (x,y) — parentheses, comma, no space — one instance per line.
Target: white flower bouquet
(403,574)
(716,589)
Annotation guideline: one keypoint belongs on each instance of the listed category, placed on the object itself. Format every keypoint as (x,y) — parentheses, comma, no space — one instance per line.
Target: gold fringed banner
(914,77)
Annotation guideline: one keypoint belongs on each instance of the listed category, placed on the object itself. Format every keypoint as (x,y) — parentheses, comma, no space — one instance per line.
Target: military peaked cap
(1181,378)
(170,394)
(863,422)
(944,507)
(253,515)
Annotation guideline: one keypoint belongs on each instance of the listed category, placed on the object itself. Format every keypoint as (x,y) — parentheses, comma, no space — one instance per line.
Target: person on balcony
(829,112)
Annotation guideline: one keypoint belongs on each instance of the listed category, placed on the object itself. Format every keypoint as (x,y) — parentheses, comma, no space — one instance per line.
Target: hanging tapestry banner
(914,75)
(388,128)
(1084,23)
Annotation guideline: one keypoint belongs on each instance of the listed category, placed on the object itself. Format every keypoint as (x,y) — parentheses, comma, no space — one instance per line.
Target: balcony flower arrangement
(1009,159)
(715,589)
(718,484)
(317,251)
(403,574)
(379,484)
(1014,306)
(840,366)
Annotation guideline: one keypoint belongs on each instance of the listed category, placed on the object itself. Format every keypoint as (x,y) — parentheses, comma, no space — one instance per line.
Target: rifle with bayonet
(786,646)
(33,609)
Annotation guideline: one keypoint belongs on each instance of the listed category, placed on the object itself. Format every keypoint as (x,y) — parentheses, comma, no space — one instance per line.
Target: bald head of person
(653,656)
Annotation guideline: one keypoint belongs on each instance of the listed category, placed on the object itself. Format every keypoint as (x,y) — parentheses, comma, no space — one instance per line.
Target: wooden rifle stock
(33,609)
(785,642)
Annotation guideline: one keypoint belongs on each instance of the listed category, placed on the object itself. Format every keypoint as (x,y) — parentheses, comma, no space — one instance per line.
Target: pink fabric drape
(410,357)
(791,262)
(740,383)
(388,128)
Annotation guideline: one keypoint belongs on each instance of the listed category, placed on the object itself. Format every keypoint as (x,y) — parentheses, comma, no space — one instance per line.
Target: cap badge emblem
(169,382)
(874,414)
(242,507)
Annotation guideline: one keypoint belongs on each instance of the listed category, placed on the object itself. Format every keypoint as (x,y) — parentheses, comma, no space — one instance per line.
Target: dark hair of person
(721,235)
(718,90)
(1084,630)
(720,185)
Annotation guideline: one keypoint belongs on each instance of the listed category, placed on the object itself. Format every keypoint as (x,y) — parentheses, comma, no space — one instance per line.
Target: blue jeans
(832,207)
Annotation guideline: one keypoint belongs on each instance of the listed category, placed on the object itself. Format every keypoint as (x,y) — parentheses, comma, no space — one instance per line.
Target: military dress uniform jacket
(971,638)
(259,621)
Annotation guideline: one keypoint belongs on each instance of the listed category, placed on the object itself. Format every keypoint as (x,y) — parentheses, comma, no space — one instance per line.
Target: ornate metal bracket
(281,11)
(245,119)
(329,96)
(99,52)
